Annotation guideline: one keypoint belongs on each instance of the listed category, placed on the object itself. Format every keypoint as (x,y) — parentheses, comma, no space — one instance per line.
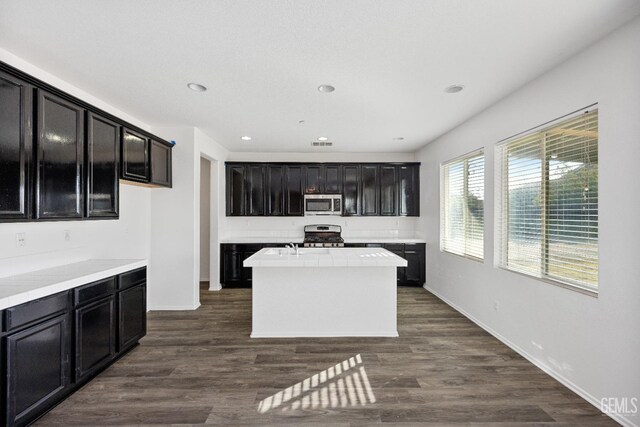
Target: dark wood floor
(200,367)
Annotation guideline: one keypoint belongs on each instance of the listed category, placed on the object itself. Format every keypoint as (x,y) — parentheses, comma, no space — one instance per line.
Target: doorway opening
(205,223)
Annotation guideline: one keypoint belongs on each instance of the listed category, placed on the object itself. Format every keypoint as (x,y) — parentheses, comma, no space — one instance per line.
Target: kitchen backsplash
(293,227)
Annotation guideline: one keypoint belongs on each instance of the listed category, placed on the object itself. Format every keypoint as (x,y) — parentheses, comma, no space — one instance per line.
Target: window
(547,202)
(462,206)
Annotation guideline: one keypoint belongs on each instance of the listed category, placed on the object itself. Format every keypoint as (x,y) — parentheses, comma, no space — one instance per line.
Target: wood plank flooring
(201,367)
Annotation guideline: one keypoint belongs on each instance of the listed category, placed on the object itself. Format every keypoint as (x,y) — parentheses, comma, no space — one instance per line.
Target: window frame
(443,186)
(501,202)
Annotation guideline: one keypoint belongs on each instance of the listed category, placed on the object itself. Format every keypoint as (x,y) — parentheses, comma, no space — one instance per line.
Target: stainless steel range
(323,236)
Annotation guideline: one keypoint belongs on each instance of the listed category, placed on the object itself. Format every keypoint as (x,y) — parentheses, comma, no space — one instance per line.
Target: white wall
(175,221)
(210,149)
(591,344)
(127,237)
(173,268)
(205,218)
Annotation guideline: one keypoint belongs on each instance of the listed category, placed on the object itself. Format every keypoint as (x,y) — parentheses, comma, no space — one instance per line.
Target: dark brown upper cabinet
(255,186)
(332,179)
(135,156)
(161,173)
(322,179)
(351,189)
(388,190)
(275,190)
(103,167)
(235,190)
(293,190)
(60,158)
(16,140)
(312,179)
(370,190)
(409,190)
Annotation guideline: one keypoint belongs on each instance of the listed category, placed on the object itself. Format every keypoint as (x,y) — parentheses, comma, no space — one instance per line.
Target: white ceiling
(263,60)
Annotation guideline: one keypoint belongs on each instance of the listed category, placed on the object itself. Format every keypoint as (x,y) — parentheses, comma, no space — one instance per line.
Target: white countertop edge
(298,240)
(307,334)
(52,288)
(335,258)
(313,264)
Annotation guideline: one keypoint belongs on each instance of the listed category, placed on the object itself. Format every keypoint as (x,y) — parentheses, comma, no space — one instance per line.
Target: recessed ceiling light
(399,138)
(197,87)
(323,138)
(454,88)
(245,138)
(326,88)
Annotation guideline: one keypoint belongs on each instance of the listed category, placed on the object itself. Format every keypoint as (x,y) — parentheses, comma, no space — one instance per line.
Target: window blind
(547,202)
(462,204)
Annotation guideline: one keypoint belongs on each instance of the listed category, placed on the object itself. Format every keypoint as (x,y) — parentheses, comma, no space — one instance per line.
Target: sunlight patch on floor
(342,385)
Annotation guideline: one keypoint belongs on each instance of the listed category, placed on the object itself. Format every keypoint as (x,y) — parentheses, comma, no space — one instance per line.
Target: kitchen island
(324,292)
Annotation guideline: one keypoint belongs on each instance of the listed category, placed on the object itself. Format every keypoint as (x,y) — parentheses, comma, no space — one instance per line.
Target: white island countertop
(27,287)
(325,257)
(299,239)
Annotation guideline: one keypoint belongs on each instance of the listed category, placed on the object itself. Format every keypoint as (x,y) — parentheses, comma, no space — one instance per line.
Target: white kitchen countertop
(27,287)
(325,257)
(285,240)
(242,240)
(383,240)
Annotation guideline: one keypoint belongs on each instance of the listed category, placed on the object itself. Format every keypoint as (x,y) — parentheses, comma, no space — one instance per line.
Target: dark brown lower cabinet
(415,270)
(132,308)
(95,336)
(37,369)
(414,274)
(234,275)
(80,331)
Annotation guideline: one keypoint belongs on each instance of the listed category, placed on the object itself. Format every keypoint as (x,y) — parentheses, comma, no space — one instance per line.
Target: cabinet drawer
(414,247)
(395,247)
(132,278)
(30,312)
(93,291)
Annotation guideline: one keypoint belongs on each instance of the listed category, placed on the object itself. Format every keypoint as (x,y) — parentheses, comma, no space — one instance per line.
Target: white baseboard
(216,287)
(174,307)
(625,421)
(204,279)
(322,334)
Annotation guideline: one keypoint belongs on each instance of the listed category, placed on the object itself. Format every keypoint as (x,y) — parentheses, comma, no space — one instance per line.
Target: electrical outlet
(67,235)
(496,306)
(21,240)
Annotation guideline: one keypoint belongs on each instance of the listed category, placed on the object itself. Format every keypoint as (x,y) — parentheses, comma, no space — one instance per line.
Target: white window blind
(547,202)
(462,206)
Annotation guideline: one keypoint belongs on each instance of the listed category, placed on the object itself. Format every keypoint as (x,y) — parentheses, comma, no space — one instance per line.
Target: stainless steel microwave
(323,204)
